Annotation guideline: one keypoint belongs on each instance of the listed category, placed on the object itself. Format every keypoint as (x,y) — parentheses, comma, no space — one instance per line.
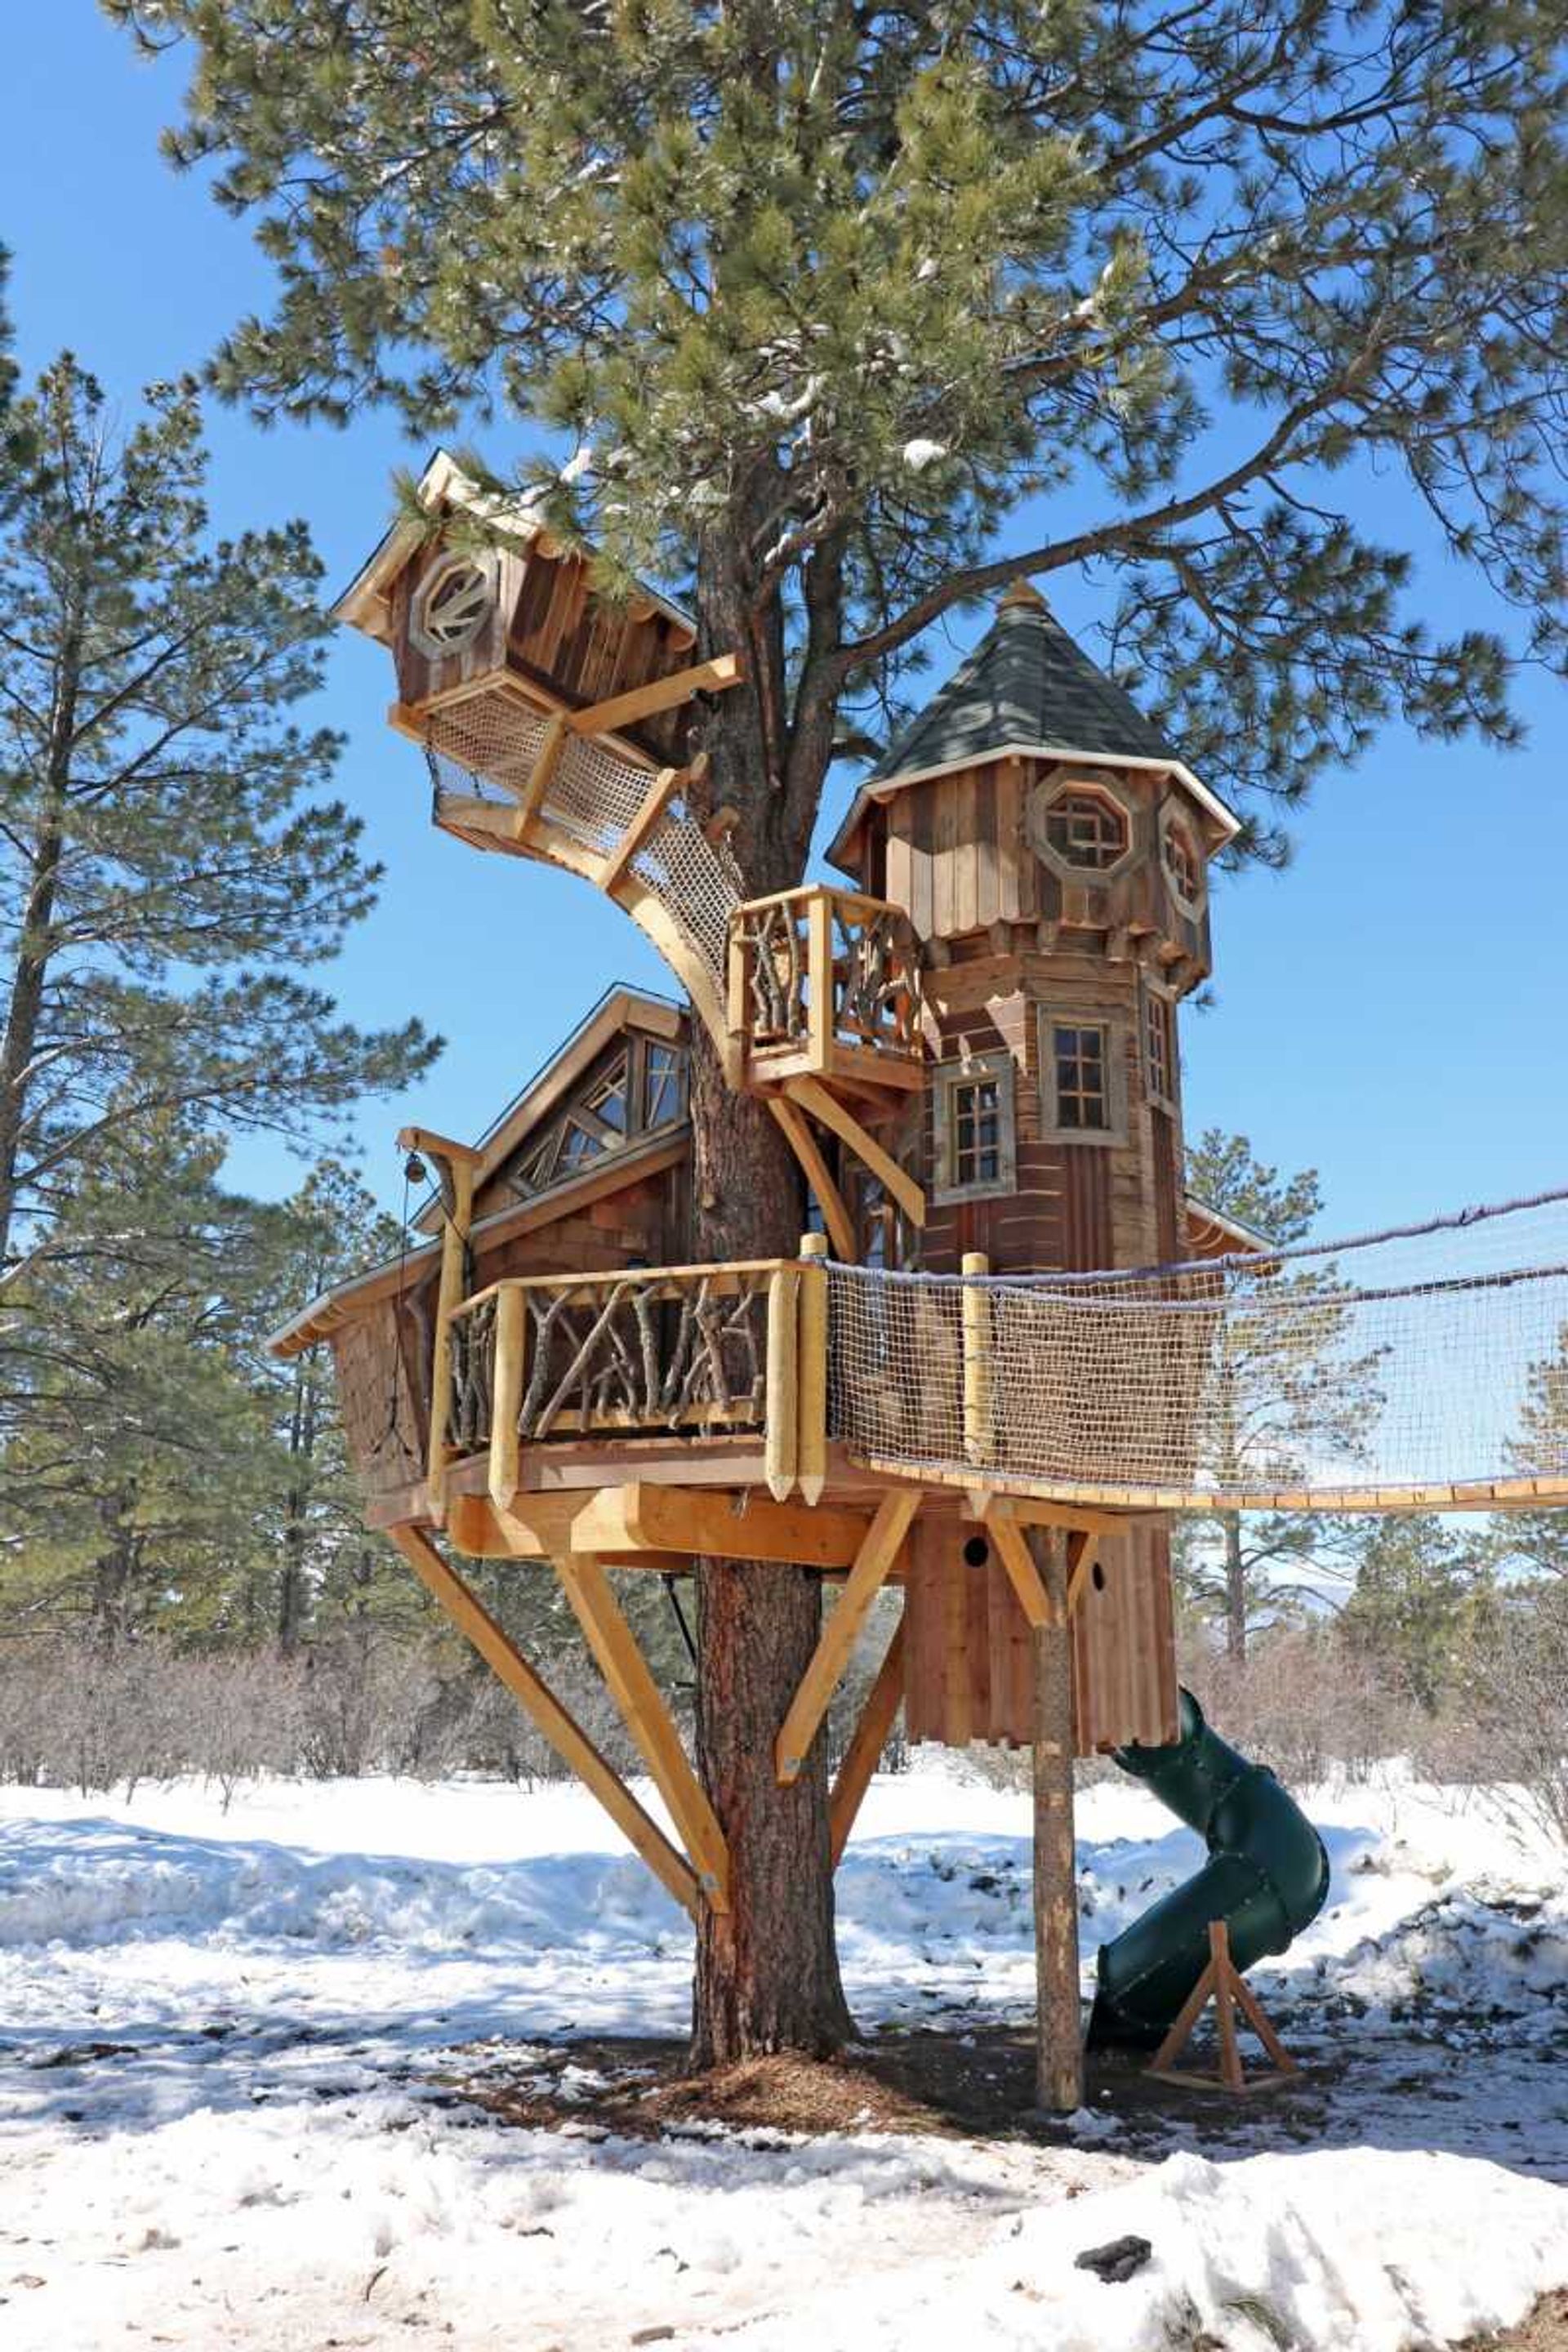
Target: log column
(1058,2044)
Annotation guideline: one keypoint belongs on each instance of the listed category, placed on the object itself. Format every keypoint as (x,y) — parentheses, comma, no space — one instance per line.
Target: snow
(919,454)
(222,2036)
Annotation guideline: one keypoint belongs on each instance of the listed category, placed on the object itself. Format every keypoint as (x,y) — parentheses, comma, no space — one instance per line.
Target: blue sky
(1391,1010)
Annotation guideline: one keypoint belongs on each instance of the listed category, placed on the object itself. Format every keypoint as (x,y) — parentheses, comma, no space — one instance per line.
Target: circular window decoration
(452,607)
(1087,829)
(1184,863)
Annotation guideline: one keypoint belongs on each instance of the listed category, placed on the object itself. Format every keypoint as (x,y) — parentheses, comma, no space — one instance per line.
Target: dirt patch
(1545,2330)
(978,2084)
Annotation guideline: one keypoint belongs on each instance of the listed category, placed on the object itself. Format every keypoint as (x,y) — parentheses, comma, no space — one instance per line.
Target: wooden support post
(811,1444)
(566,1734)
(838,1636)
(864,1752)
(975,1310)
(780,1426)
(819,971)
(506,1393)
(635,1692)
(1060,2025)
(1012,1548)
(458,1162)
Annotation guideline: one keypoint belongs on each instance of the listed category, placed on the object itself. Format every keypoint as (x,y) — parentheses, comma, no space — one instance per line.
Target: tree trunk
(767,1970)
(1235,1592)
(35,947)
(292,1596)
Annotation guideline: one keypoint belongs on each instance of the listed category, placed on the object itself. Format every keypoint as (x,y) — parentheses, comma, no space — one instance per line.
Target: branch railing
(636,1352)
(826,983)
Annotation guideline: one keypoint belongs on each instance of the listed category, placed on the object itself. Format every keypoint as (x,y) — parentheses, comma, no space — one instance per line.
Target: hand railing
(826,983)
(636,1352)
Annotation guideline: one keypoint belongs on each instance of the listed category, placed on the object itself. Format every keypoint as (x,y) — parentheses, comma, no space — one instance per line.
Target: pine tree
(1538,1540)
(826,298)
(1252,1569)
(164,872)
(1418,1591)
(142,1460)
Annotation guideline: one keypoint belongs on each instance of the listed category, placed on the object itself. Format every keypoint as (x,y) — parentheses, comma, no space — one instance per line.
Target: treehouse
(971,1050)
(1008,1348)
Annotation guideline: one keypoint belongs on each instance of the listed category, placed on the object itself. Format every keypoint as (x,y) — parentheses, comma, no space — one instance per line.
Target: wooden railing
(635,1353)
(826,983)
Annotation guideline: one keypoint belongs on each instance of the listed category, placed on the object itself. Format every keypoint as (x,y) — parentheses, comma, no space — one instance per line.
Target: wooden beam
(656,800)
(632,1686)
(448,1296)
(975,1317)
(814,1096)
(864,1752)
(642,1517)
(659,694)
(819,968)
(1023,1570)
(1081,1551)
(884,1537)
(818,1175)
(566,1734)
(437,1147)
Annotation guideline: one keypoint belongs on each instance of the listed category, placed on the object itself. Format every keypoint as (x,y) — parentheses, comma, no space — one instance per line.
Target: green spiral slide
(1267,1876)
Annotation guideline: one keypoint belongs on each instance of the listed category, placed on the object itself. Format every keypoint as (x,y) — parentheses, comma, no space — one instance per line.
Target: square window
(1083,1078)
(974,1111)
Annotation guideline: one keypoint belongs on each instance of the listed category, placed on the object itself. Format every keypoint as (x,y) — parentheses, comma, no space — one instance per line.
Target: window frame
(1113,1027)
(436,649)
(1068,783)
(1174,817)
(950,1076)
(1160,1002)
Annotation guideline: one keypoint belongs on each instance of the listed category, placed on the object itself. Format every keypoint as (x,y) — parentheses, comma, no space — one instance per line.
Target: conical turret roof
(1025,687)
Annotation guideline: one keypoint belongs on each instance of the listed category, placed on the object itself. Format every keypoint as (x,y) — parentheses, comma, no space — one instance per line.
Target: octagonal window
(1087,829)
(452,606)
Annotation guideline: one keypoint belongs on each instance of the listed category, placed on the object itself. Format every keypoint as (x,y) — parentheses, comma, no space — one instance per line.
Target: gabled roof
(443,485)
(1026,687)
(619,1009)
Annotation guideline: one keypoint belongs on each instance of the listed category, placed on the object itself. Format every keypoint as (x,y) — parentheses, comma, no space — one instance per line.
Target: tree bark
(767,1970)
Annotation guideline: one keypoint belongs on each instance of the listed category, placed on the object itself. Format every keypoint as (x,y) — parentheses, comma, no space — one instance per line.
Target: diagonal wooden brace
(876,1555)
(566,1734)
(641,1702)
(864,1752)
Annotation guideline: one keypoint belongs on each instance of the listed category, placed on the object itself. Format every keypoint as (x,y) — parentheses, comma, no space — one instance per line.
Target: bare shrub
(1303,1705)
(1508,1725)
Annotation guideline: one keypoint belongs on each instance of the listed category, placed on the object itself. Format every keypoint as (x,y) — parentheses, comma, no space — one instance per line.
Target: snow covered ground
(218,2035)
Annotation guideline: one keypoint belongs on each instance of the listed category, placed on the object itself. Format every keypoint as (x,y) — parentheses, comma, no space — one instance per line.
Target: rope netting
(488,747)
(1394,1367)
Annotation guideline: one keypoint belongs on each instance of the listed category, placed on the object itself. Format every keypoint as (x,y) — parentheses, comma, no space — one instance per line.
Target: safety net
(1427,1365)
(489,744)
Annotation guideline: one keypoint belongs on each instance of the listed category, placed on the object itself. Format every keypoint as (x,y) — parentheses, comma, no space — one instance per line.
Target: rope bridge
(1422,1368)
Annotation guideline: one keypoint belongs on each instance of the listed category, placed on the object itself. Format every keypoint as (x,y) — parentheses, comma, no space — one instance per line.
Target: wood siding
(550,632)
(968,1660)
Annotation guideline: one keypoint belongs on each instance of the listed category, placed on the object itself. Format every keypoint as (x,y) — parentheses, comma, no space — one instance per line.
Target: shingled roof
(1025,687)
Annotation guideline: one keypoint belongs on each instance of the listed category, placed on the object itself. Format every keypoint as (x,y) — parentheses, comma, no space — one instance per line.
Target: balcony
(611,1359)
(826,984)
